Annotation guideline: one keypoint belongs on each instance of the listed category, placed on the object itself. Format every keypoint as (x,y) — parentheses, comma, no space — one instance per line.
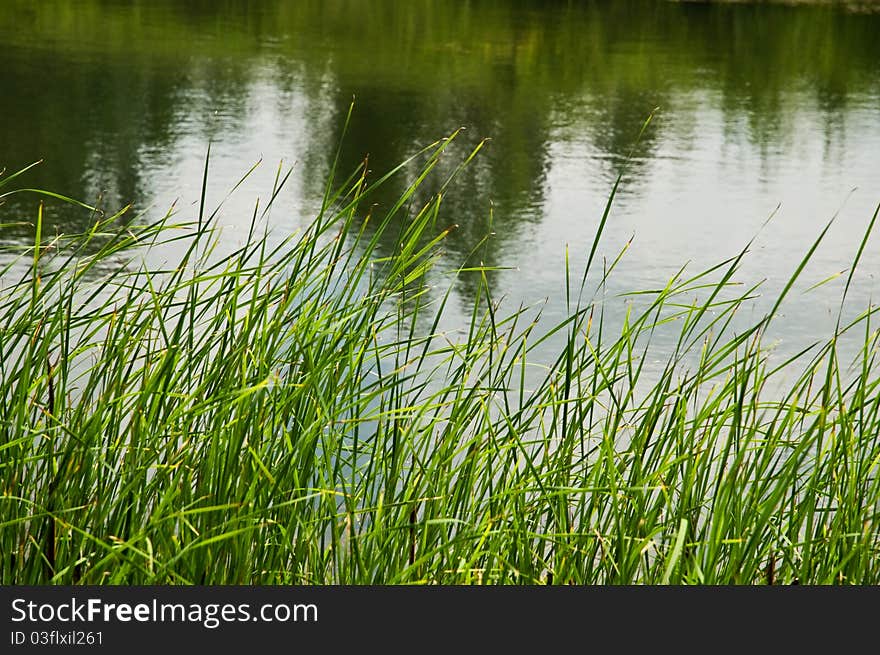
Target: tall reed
(291,413)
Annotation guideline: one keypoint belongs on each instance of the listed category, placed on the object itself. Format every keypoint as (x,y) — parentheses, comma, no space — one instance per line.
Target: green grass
(291,413)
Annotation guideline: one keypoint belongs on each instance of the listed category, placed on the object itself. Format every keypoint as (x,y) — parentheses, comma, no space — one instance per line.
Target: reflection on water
(759,106)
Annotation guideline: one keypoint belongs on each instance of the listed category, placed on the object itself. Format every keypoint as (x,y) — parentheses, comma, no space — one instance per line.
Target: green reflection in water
(111,94)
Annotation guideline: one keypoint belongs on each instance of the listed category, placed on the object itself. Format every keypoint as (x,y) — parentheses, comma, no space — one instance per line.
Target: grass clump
(291,414)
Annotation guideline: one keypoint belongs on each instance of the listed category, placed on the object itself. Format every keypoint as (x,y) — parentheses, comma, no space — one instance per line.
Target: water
(757,106)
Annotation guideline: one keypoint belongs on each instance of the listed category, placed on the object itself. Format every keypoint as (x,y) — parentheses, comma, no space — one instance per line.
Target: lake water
(757,106)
